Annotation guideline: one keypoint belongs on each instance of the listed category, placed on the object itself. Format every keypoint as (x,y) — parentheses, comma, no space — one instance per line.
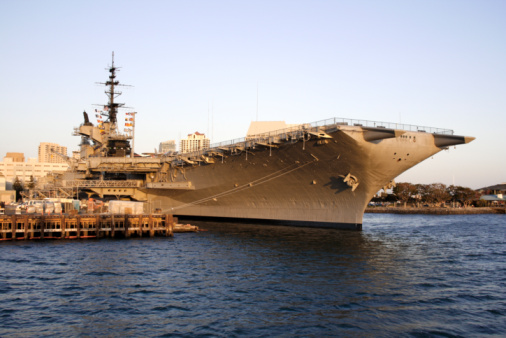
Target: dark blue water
(403,275)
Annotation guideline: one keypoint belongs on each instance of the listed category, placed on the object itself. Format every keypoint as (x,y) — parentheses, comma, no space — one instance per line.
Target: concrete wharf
(28,227)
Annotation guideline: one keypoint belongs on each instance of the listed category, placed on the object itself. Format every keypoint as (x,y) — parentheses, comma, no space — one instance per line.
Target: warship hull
(325,178)
(316,174)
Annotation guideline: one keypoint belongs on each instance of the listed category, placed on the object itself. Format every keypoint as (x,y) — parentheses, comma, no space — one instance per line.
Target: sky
(215,66)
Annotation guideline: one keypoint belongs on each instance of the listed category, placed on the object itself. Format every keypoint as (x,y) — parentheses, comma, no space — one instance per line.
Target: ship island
(316,174)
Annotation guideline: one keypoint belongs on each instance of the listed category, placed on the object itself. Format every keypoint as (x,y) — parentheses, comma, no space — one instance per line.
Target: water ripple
(404,275)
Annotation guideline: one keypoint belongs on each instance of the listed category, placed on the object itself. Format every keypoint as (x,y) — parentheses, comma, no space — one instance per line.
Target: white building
(46,154)
(16,157)
(195,142)
(6,196)
(3,181)
(167,146)
(23,170)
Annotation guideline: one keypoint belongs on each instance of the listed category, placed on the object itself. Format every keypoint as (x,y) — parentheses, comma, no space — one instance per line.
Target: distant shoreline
(434,211)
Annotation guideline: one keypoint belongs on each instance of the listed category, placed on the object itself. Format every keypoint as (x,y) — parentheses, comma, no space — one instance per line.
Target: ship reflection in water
(403,275)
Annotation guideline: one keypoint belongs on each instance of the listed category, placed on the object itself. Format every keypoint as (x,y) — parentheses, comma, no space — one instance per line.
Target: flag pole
(133,136)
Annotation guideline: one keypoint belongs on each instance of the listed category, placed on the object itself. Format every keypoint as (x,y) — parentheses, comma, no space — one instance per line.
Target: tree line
(435,194)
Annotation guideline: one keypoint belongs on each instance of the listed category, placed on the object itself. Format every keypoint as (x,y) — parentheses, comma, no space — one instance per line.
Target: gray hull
(314,181)
(318,174)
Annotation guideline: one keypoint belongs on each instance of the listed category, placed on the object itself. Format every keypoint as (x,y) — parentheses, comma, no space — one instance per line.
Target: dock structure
(31,227)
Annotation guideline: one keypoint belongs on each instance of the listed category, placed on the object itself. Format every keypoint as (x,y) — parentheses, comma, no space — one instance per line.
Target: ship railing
(379,124)
(102,184)
(315,126)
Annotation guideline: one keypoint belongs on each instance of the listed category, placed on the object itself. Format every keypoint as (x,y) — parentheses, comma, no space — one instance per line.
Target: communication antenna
(111,109)
(257,100)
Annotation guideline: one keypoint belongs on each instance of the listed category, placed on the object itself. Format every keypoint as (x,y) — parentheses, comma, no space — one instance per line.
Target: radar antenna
(111,109)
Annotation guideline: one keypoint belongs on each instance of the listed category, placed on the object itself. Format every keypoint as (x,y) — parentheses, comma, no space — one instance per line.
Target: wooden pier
(28,227)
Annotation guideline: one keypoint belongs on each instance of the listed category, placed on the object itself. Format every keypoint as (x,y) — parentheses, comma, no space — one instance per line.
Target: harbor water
(403,275)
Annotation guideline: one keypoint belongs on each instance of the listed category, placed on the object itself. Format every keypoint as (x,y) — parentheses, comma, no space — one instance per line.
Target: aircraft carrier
(319,174)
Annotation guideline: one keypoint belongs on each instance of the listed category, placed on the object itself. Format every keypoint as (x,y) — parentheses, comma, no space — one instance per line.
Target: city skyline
(215,67)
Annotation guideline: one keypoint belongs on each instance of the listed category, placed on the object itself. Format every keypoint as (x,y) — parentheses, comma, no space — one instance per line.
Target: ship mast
(112,93)
(107,140)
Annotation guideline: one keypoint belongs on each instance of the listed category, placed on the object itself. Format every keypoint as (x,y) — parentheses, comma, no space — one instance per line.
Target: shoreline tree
(404,192)
(434,194)
(18,187)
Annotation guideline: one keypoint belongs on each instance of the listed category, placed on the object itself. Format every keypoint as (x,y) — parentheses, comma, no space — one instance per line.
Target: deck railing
(102,184)
(336,120)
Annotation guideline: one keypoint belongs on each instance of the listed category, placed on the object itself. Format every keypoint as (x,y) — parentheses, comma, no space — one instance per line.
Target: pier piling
(28,227)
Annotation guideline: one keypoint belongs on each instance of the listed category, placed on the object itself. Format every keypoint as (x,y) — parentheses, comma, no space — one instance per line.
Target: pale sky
(196,66)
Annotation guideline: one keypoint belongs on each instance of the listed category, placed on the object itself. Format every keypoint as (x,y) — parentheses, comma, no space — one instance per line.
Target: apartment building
(47,153)
(194,142)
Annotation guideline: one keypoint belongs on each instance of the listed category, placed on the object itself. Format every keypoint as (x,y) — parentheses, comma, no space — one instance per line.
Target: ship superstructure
(314,174)
(105,140)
